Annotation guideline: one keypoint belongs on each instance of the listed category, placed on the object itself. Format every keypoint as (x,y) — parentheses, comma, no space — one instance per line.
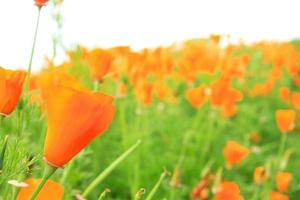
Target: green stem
(104,194)
(256,192)
(49,171)
(109,169)
(1,119)
(33,47)
(155,188)
(66,172)
(2,153)
(96,86)
(281,148)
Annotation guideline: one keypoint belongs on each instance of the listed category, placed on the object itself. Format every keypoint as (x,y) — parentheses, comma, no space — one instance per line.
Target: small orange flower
(74,119)
(259,175)
(296,100)
(285,94)
(196,96)
(228,191)
(41,3)
(99,62)
(51,190)
(11,85)
(283,180)
(285,120)
(278,196)
(234,153)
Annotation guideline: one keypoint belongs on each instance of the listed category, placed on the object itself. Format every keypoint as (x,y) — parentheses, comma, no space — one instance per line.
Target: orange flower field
(195,120)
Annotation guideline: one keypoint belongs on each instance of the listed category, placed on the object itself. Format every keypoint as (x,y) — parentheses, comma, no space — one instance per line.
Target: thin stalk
(2,153)
(109,169)
(282,145)
(66,173)
(104,194)
(281,150)
(96,85)
(49,171)
(155,188)
(33,47)
(256,192)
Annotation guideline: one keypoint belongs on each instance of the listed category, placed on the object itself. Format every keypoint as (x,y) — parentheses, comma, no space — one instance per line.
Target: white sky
(141,23)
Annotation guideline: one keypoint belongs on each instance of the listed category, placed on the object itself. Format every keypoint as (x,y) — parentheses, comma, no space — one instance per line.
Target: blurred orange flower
(283,180)
(41,3)
(285,94)
(196,96)
(74,118)
(48,79)
(99,62)
(228,191)
(259,175)
(51,190)
(11,86)
(278,196)
(296,100)
(222,95)
(234,153)
(285,120)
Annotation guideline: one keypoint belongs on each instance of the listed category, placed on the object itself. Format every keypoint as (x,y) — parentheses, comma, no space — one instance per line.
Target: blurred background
(140,24)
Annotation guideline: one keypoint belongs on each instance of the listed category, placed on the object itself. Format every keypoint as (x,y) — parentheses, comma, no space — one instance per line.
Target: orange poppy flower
(196,96)
(259,175)
(50,191)
(11,85)
(278,196)
(296,100)
(228,191)
(285,120)
(285,94)
(74,119)
(99,62)
(49,79)
(234,153)
(283,180)
(41,3)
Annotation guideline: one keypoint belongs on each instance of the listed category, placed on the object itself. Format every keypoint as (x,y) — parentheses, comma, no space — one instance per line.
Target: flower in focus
(51,190)
(285,120)
(74,119)
(278,196)
(228,191)
(11,86)
(283,180)
(234,153)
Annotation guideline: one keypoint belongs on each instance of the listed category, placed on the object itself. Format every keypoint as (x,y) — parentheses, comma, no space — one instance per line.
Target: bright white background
(141,23)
